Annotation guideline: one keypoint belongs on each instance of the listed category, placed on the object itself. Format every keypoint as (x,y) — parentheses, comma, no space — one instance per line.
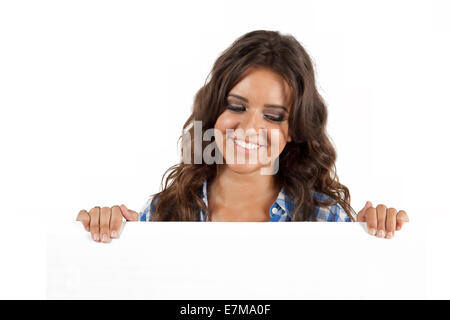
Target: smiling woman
(260,103)
(261,96)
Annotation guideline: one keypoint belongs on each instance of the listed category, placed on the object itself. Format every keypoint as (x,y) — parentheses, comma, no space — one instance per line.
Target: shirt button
(274,210)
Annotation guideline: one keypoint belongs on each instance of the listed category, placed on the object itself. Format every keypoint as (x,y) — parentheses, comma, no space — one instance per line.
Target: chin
(244,168)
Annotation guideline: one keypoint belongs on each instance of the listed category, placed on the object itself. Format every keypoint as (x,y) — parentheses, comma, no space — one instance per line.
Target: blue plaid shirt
(280,211)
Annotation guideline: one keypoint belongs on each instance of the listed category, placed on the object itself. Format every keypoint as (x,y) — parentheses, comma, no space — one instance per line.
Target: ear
(289,138)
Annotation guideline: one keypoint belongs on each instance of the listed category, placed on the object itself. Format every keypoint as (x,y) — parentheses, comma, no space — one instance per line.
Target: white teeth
(243,144)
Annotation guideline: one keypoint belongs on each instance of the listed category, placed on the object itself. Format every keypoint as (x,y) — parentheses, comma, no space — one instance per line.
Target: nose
(253,125)
(253,120)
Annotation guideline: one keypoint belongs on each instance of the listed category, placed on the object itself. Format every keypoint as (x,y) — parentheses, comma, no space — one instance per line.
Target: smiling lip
(246,146)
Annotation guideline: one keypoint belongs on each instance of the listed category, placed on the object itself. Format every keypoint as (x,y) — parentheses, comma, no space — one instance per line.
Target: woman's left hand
(382,221)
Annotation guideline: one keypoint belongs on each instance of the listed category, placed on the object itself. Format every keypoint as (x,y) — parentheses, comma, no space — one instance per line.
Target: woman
(255,148)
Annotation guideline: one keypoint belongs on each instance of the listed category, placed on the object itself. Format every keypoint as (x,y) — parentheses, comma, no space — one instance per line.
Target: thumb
(362,214)
(129,215)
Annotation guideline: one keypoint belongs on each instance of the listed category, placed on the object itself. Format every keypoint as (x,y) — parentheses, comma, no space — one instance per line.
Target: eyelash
(240,109)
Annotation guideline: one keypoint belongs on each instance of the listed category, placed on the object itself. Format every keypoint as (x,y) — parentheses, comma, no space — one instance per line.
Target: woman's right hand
(105,223)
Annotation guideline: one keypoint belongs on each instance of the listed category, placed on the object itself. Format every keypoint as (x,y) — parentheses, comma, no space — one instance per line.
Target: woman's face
(253,130)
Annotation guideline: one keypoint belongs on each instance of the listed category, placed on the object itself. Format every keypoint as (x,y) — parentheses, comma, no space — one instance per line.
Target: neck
(239,190)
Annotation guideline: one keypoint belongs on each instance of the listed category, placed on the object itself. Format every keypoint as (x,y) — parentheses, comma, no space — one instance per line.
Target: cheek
(278,137)
(224,122)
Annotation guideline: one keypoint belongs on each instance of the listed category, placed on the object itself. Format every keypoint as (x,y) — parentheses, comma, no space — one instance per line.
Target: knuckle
(94,210)
(371,223)
(391,211)
(104,226)
(381,207)
(402,218)
(94,224)
(116,209)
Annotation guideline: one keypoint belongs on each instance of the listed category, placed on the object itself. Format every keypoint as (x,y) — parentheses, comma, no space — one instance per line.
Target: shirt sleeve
(339,214)
(146,212)
(334,213)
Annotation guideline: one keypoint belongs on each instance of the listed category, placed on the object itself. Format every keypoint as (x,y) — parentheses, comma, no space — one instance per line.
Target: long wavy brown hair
(306,164)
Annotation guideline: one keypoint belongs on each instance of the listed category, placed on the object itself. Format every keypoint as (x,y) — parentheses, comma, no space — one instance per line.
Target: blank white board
(192,260)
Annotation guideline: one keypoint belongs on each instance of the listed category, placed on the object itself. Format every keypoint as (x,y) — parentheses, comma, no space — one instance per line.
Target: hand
(382,221)
(105,223)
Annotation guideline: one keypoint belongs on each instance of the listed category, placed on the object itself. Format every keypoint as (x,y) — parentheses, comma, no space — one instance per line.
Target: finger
(391,222)
(94,213)
(130,215)
(371,219)
(116,221)
(105,218)
(402,217)
(361,217)
(381,220)
(83,216)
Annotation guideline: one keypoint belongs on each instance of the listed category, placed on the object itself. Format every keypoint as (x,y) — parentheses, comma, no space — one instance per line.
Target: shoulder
(145,214)
(334,213)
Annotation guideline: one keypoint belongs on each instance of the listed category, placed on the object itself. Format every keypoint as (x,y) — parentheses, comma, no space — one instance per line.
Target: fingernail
(96,237)
(380,233)
(372,231)
(113,234)
(104,238)
(389,235)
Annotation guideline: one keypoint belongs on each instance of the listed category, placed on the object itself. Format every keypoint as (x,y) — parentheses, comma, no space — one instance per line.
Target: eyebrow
(266,105)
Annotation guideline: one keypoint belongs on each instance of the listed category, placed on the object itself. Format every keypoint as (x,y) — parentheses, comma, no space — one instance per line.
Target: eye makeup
(276,118)
(236,108)
(272,116)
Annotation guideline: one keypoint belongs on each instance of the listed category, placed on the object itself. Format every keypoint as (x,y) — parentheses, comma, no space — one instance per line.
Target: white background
(93,96)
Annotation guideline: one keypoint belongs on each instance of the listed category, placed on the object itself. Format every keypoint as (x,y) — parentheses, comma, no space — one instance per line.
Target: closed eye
(274,118)
(270,117)
(236,108)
